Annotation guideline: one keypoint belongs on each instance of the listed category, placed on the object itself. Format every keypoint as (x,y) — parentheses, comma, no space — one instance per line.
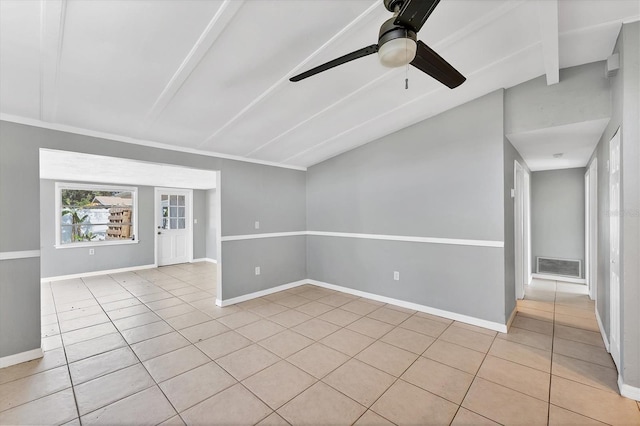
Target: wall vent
(562,267)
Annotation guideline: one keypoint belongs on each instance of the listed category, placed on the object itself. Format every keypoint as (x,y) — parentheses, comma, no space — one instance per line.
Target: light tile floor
(151,347)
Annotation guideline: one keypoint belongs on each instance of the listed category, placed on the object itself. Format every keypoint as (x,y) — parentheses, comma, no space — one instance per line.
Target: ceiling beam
(216,26)
(548,18)
(52,20)
(285,79)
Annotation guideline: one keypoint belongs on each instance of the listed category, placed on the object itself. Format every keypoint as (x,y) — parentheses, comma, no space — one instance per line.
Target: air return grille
(563,267)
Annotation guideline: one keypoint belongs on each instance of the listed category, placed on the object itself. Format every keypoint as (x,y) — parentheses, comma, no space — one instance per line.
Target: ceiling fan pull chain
(406,69)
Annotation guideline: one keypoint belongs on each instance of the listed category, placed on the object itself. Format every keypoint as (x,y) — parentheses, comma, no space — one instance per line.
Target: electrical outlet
(257,270)
(396,276)
(257,225)
(195,221)
(92,252)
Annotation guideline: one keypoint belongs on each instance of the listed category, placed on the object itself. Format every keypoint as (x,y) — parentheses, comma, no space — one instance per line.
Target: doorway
(173,224)
(614,246)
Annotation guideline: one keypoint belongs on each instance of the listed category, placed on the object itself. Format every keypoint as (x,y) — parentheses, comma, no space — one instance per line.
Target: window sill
(95,244)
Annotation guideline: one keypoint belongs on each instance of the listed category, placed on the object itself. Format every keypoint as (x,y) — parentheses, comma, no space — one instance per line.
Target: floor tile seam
(525,344)
(274,410)
(578,413)
(584,360)
(93,410)
(577,328)
(39,398)
(64,349)
(612,392)
(475,376)
(103,374)
(146,370)
(553,339)
(526,329)
(141,363)
(193,325)
(129,316)
(141,325)
(517,390)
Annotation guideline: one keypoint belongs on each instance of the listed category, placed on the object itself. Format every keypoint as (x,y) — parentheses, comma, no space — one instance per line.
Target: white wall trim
(266,235)
(95,273)
(512,316)
(126,139)
(260,293)
(21,357)
(25,254)
(204,259)
(430,240)
(559,278)
(502,328)
(627,390)
(604,335)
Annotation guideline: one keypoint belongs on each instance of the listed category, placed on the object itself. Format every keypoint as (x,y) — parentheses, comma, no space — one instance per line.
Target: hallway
(151,347)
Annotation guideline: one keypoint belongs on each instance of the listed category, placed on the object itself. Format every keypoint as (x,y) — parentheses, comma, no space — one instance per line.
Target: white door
(527,228)
(614,247)
(587,231)
(519,229)
(593,230)
(173,226)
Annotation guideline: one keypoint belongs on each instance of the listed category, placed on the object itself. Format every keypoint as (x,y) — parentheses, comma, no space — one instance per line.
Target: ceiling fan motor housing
(396,44)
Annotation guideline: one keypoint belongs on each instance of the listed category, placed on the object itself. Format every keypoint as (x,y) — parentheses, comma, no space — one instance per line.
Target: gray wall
(76,260)
(211,213)
(200,228)
(557,214)
(510,156)
(625,97)
(582,94)
(250,192)
(442,177)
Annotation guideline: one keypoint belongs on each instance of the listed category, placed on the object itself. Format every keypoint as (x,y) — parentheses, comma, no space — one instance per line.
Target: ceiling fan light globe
(397,52)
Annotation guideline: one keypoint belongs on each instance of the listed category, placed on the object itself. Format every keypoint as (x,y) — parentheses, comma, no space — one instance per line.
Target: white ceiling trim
(285,78)
(405,105)
(548,18)
(52,19)
(216,26)
(479,23)
(126,139)
(457,36)
(362,89)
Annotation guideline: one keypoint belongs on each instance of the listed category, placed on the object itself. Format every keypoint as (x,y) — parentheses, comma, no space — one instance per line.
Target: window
(173,212)
(95,214)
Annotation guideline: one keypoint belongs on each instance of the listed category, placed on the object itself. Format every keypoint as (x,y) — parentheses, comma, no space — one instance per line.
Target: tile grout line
(64,350)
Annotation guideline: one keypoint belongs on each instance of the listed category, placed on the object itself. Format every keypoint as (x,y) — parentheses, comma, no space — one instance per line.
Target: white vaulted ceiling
(213,75)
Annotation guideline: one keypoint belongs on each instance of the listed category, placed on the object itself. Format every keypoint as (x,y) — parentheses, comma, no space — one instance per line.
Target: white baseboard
(204,259)
(502,328)
(512,316)
(560,278)
(21,357)
(627,391)
(260,293)
(604,335)
(94,273)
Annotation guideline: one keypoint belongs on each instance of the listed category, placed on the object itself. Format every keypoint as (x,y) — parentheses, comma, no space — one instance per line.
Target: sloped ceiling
(213,75)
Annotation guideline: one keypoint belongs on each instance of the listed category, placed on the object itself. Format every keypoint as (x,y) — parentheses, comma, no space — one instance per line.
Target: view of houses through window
(96,214)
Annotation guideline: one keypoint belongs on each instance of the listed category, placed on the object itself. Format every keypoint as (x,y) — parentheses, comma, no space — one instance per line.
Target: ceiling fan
(398,45)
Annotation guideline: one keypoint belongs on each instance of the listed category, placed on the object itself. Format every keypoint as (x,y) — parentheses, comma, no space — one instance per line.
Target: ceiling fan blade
(414,13)
(366,51)
(430,62)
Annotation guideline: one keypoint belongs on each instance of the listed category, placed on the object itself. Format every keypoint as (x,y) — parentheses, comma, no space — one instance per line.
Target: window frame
(60,186)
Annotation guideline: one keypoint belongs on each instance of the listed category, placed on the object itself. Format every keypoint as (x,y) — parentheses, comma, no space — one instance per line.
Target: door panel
(173,226)
(614,247)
